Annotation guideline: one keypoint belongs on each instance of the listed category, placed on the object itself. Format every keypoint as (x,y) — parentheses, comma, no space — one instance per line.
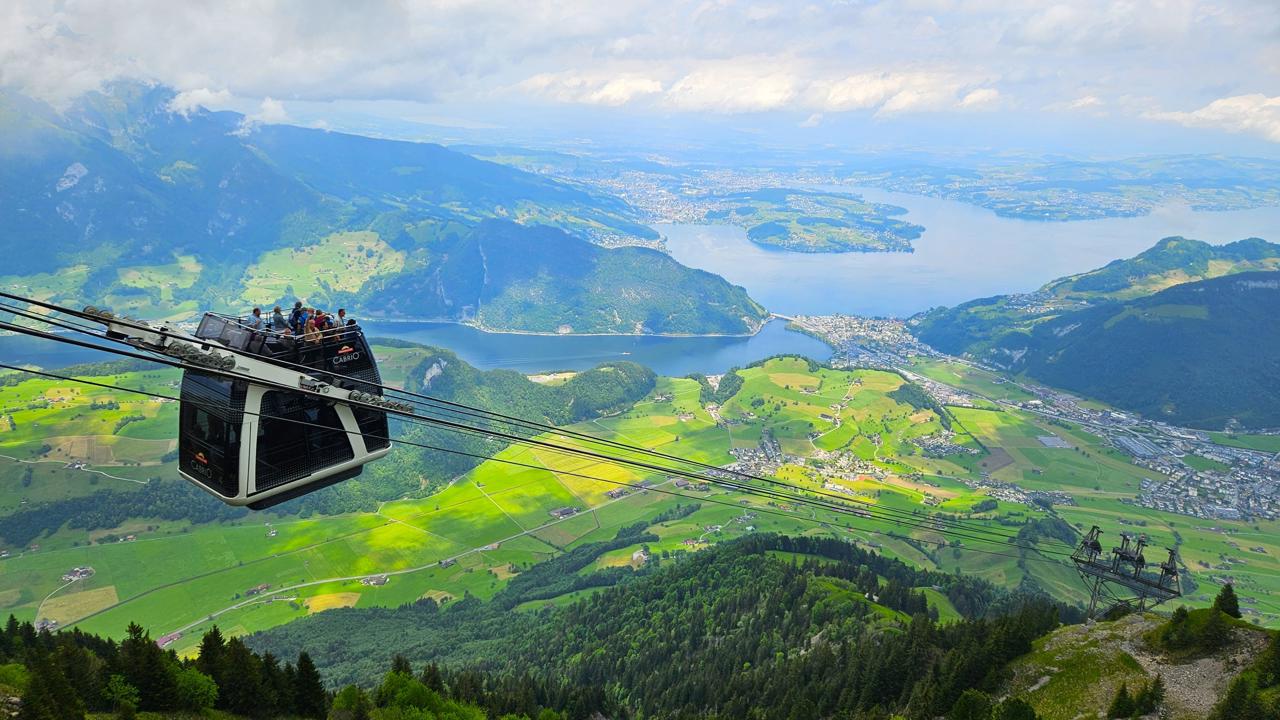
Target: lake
(966,252)
(675,356)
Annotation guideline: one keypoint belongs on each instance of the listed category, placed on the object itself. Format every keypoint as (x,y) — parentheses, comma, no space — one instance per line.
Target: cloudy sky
(1204,74)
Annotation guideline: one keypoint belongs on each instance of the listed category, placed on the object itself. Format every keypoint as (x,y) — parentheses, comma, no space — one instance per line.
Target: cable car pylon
(1123,580)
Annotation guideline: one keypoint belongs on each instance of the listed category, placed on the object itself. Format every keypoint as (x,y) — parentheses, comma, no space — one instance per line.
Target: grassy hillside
(814,222)
(1080,669)
(855,431)
(1172,261)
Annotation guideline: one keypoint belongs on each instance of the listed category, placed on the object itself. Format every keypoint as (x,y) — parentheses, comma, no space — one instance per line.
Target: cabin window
(298,435)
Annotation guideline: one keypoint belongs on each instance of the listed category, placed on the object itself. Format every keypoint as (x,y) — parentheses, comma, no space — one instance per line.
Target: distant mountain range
(1064,189)
(122,201)
(1184,332)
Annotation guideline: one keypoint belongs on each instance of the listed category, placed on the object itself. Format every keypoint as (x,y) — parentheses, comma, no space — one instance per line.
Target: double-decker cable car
(276,416)
(256,444)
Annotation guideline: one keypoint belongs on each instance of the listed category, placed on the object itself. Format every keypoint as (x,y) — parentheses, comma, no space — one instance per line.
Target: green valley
(422,524)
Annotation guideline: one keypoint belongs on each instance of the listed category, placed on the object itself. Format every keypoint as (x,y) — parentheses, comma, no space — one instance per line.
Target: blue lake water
(674,356)
(966,252)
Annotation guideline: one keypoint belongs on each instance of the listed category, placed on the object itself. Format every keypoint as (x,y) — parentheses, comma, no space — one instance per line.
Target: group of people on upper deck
(308,323)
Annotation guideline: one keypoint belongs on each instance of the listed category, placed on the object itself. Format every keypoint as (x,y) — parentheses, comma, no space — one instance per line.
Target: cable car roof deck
(340,349)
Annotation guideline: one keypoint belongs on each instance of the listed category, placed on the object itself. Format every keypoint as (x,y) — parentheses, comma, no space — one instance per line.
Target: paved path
(83,469)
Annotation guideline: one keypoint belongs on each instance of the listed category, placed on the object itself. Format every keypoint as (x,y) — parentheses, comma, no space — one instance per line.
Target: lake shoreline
(540,333)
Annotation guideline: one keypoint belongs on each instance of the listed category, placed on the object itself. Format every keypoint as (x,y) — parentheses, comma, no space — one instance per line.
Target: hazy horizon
(1088,79)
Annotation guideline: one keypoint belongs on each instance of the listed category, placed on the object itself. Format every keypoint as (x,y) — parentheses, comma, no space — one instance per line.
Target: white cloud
(1085,102)
(732,88)
(270,112)
(813,120)
(570,87)
(898,92)
(980,98)
(188,101)
(1255,114)
(701,56)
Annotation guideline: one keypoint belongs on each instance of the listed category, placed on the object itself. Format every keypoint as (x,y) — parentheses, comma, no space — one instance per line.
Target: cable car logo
(346,353)
(203,469)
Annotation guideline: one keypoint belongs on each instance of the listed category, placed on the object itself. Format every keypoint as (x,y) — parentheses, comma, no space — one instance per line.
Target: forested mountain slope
(734,631)
(765,627)
(1198,354)
(1184,332)
(129,202)
(505,276)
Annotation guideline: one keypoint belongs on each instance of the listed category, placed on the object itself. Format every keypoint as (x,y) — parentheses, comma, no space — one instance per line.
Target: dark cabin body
(258,445)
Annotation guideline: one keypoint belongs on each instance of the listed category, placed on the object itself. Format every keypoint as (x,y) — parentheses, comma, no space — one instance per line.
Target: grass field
(1265,443)
(832,426)
(51,424)
(342,261)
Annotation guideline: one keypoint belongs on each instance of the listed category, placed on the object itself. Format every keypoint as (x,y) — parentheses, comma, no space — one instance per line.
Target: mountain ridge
(1161,333)
(124,201)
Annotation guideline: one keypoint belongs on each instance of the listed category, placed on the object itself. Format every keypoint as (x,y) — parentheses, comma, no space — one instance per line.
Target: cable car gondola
(275,416)
(253,443)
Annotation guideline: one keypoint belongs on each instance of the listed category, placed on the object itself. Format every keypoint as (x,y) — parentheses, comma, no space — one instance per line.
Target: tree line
(71,674)
(764,628)
(65,676)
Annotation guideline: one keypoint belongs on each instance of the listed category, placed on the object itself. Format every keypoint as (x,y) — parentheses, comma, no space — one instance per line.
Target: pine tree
(80,667)
(275,691)
(49,696)
(1122,706)
(431,677)
(287,701)
(1155,694)
(1215,632)
(148,669)
(212,658)
(1227,602)
(241,690)
(1241,702)
(400,664)
(308,690)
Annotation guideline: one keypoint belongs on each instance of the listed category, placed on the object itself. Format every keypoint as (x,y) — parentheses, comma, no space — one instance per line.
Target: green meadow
(844,440)
(343,261)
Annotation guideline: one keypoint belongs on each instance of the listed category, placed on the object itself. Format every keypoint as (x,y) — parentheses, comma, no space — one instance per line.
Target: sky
(1086,76)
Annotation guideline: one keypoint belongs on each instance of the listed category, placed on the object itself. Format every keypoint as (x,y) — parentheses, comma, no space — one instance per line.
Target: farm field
(342,261)
(839,435)
(48,427)
(1265,443)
